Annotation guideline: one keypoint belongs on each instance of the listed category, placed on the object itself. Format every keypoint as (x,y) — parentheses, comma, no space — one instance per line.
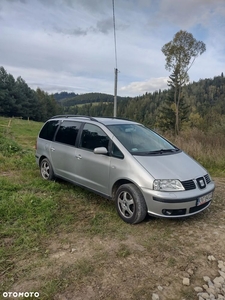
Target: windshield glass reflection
(140,140)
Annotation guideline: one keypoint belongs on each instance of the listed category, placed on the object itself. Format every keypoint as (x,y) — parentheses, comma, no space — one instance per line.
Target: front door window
(93,137)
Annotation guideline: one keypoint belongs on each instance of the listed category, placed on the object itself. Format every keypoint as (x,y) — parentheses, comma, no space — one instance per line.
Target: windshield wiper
(155,152)
(161,151)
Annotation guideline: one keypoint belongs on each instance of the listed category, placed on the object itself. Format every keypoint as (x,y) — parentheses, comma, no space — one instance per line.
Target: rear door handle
(78,156)
(52,149)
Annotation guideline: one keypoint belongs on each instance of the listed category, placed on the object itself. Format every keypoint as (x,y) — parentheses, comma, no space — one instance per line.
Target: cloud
(105,25)
(151,85)
(185,14)
(71,31)
(70,43)
(22,1)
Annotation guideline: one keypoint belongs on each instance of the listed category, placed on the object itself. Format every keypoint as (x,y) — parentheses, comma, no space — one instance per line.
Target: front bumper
(177,204)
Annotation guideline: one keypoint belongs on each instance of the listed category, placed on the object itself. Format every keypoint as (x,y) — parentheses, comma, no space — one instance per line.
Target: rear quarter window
(48,130)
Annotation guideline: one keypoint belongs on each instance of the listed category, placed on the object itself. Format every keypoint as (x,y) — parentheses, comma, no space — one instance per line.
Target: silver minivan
(124,161)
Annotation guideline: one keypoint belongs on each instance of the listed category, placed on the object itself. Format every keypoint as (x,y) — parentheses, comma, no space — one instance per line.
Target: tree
(7,86)
(47,106)
(180,54)
(167,111)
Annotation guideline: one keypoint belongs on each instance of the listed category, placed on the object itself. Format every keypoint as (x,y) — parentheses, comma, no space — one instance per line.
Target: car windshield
(139,140)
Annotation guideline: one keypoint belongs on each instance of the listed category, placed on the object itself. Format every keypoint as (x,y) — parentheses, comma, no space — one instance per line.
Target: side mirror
(100,150)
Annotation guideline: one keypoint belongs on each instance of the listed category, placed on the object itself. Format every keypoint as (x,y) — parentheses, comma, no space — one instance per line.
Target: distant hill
(64,95)
(71,99)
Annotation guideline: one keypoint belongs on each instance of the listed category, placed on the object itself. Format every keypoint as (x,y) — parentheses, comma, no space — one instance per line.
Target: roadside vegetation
(206,147)
(58,239)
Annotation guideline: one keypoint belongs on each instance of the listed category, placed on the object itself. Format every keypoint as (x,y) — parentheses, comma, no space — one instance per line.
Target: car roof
(114,121)
(104,120)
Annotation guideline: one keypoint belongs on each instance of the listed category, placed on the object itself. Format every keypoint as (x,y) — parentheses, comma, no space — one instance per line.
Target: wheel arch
(120,182)
(41,158)
(130,202)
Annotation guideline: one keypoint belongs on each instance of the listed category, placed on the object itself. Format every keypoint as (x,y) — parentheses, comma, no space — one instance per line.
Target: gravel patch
(213,289)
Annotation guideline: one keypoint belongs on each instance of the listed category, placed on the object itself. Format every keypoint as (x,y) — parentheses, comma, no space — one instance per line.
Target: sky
(69,45)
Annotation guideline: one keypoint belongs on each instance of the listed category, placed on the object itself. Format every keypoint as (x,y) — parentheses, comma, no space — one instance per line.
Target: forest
(17,99)
(202,105)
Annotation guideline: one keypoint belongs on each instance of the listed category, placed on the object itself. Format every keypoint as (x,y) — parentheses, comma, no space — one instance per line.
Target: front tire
(130,204)
(46,169)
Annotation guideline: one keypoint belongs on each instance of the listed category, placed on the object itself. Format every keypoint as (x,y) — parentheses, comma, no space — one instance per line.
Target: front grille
(207,178)
(188,185)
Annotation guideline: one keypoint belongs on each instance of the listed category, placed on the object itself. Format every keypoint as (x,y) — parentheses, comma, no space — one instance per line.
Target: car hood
(173,166)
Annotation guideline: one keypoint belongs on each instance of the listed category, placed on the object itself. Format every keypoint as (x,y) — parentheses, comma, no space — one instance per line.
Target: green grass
(123,251)
(34,213)
(32,209)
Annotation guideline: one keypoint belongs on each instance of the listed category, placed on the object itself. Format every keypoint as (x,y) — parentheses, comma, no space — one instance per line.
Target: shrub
(8,146)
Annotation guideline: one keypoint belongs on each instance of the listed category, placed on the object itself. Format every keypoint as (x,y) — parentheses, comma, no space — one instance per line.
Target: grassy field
(66,243)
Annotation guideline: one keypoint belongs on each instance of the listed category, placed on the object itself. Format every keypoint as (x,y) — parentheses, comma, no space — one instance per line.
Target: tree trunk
(176,129)
(177,97)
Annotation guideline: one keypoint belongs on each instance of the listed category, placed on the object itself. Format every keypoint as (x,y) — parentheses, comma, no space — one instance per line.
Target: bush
(8,147)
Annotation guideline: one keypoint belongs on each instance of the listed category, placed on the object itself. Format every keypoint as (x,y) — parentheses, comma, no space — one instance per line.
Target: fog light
(174,212)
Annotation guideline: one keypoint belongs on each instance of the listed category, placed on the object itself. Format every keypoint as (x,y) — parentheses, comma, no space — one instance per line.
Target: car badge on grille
(201,183)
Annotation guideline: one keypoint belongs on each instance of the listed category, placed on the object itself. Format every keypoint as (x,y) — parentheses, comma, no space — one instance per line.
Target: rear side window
(48,130)
(67,133)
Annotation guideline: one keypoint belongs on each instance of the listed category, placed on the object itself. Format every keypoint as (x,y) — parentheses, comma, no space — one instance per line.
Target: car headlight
(168,185)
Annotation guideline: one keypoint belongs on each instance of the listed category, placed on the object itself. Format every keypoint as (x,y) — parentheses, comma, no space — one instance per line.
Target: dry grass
(206,148)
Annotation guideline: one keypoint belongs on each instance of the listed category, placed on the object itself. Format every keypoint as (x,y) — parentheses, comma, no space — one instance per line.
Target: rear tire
(46,169)
(130,204)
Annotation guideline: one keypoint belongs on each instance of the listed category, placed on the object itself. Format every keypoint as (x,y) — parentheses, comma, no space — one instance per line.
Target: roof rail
(74,116)
(119,118)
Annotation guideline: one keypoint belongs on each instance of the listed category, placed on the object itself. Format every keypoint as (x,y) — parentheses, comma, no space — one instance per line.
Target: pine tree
(180,54)
(173,106)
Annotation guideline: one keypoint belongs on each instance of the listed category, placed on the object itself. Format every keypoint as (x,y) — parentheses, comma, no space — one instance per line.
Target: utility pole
(116,70)
(115,93)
